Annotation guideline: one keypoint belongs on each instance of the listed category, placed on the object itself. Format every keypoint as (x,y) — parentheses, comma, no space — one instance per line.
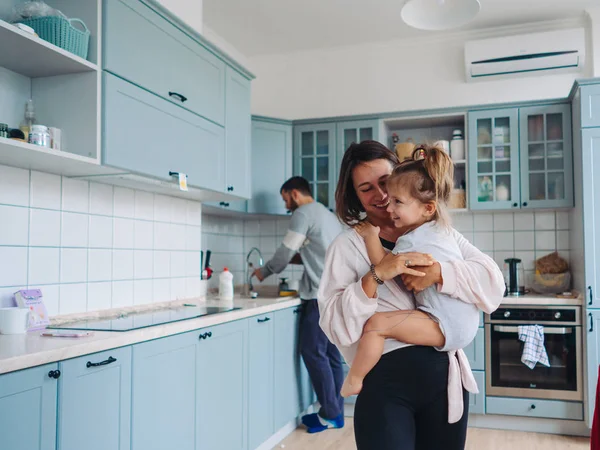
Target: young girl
(419,190)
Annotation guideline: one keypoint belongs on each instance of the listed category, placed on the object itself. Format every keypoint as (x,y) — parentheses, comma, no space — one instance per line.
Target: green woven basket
(61,32)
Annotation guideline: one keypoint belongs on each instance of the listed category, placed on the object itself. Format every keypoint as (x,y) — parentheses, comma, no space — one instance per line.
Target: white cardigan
(345,308)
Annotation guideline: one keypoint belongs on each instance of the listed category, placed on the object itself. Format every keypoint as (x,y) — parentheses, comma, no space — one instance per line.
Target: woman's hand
(433,275)
(393,265)
(367,230)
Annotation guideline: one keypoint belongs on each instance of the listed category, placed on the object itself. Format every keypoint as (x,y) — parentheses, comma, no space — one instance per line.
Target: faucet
(249,271)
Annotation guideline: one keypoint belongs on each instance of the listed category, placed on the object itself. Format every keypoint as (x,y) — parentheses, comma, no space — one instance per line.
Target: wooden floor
(477,439)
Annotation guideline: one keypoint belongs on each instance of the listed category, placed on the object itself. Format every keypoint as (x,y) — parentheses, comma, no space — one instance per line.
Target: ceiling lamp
(434,15)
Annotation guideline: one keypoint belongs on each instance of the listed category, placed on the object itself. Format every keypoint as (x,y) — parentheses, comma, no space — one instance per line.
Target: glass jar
(40,135)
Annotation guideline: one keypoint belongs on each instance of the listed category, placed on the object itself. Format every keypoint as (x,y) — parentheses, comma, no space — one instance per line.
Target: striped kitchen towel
(534,350)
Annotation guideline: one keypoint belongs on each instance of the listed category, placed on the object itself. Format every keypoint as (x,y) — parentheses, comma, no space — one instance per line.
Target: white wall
(392,76)
(226,47)
(190,11)
(594,25)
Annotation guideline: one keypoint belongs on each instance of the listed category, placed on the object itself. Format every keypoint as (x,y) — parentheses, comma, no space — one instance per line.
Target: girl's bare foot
(351,386)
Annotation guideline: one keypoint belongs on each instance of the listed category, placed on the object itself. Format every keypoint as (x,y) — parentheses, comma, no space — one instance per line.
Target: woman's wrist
(369,285)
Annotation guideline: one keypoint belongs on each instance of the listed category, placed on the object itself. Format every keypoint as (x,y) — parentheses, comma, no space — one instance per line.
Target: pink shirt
(345,308)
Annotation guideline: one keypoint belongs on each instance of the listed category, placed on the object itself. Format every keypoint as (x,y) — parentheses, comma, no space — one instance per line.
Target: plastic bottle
(28,120)
(226,285)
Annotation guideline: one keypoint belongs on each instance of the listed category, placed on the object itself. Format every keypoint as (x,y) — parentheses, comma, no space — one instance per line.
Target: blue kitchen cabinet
(238,134)
(94,403)
(547,409)
(590,106)
(315,159)
(148,135)
(271,165)
(475,351)
(591,214)
(222,387)
(546,156)
(477,401)
(28,408)
(260,380)
(493,154)
(355,131)
(592,332)
(143,47)
(293,392)
(163,400)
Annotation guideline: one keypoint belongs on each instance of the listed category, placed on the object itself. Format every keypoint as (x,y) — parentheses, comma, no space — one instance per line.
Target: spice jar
(40,135)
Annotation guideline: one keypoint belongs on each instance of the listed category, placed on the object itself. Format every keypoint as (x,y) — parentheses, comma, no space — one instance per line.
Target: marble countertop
(539,299)
(28,350)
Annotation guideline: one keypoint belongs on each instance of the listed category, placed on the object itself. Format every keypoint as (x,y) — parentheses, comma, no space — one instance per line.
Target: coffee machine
(514,277)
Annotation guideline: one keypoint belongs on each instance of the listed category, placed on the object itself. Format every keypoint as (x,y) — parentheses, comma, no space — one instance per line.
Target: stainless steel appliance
(507,376)
(514,276)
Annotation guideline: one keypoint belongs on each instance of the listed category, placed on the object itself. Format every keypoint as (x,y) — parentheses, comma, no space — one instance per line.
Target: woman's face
(369,180)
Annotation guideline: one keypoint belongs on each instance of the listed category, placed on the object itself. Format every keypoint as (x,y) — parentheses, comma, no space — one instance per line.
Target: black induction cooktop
(144,320)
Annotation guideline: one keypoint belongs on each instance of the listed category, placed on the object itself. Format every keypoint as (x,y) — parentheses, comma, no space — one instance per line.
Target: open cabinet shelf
(28,55)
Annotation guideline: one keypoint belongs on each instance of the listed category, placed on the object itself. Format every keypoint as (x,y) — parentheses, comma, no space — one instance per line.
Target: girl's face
(369,180)
(407,212)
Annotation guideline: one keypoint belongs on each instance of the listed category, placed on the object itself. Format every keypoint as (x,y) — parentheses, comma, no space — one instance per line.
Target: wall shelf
(33,57)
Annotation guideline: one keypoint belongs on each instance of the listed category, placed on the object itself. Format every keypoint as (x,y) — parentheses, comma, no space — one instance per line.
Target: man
(312,228)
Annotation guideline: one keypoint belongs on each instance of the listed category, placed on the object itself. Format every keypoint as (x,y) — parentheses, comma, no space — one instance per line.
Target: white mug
(14,320)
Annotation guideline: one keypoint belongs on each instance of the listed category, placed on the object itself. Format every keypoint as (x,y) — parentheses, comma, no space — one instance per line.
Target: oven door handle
(504,329)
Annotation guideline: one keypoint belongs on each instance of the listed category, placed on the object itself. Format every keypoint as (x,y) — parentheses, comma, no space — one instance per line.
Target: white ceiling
(259,27)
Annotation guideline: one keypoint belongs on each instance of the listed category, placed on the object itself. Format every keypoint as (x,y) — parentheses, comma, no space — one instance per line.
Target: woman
(404,400)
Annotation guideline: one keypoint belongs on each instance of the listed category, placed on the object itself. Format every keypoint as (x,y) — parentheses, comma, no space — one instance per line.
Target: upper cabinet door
(28,409)
(237,134)
(315,159)
(591,215)
(141,46)
(546,157)
(94,401)
(355,131)
(185,142)
(271,154)
(494,159)
(590,106)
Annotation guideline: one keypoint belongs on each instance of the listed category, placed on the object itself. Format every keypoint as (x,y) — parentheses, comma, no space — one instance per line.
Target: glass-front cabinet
(546,156)
(494,159)
(355,131)
(315,159)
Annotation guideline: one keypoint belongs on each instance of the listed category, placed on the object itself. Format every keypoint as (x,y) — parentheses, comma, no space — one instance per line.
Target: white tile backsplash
(14,186)
(44,264)
(75,195)
(504,222)
(86,243)
(524,221)
(45,190)
(484,240)
(524,240)
(562,220)
(545,240)
(504,241)
(545,220)
(14,225)
(483,222)
(44,228)
(74,230)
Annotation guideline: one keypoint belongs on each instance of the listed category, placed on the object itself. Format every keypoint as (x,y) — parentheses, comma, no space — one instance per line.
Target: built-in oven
(507,376)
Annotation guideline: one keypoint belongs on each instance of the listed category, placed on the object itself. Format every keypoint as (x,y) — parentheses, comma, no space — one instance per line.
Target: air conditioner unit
(549,51)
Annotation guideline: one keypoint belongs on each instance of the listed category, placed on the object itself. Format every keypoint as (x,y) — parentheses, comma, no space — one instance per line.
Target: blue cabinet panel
(590,106)
(222,388)
(591,214)
(550,409)
(271,166)
(163,398)
(28,409)
(94,401)
(260,380)
(592,334)
(141,46)
(475,351)
(184,142)
(477,401)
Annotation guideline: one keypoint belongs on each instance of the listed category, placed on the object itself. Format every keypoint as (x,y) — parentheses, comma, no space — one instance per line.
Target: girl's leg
(412,327)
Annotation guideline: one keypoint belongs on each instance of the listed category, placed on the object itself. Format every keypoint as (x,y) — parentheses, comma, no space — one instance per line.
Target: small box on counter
(32,300)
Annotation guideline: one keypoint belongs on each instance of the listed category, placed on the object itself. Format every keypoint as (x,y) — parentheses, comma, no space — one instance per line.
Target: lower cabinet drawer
(551,409)
(477,401)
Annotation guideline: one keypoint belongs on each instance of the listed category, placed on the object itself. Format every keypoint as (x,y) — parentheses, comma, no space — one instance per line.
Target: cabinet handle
(515,205)
(205,335)
(591,296)
(225,204)
(266,319)
(297,311)
(524,203)
(54,374)
(532,406)
(110,360)
(591,322)
(230,188)
(175,95)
